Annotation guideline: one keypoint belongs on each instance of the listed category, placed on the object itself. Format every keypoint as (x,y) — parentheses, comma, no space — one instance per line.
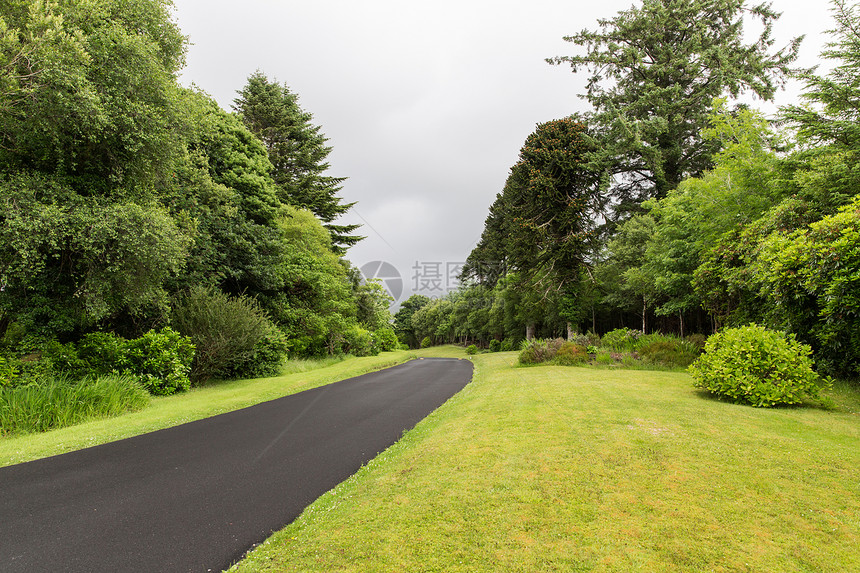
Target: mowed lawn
(574,469)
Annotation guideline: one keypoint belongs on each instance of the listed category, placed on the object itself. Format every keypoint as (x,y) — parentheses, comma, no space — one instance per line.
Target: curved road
(196,497)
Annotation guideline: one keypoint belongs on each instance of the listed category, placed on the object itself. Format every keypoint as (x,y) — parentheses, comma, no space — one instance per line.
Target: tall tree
(552,200)
(88,90)
(298,152)
(656,68)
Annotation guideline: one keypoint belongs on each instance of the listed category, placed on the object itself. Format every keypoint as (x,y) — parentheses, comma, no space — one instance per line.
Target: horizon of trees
(674,209)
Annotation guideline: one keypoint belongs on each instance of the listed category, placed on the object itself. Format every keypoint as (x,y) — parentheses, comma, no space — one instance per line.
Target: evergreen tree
(656,68)
(298,152)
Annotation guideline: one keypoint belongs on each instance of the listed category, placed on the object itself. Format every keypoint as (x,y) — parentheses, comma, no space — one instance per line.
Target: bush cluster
(538,350)
(571,354)
(756,366)
(471,349)
(159,360)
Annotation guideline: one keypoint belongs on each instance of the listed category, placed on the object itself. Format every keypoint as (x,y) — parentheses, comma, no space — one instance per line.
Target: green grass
(57,402)
(579,469)
(210,400)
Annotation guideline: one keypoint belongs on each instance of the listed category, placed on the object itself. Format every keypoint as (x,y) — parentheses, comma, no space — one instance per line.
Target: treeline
(666,208)
(129,203)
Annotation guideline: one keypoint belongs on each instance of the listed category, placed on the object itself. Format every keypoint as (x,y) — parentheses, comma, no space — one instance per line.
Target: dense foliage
(755,366)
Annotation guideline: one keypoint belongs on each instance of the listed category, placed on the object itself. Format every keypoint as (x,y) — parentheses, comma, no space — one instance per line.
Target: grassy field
(573,469)
(216,398)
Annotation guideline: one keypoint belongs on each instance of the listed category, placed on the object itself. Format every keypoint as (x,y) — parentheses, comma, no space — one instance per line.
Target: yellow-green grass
(575,469)
(210,400)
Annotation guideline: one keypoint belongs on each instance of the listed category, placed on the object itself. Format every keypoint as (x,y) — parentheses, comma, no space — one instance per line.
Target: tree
(655,69)
(829,124)
(88,90)
(403,319)
(297,150)
(552,200)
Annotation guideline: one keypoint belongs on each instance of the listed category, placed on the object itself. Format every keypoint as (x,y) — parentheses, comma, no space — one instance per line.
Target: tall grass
(58,402)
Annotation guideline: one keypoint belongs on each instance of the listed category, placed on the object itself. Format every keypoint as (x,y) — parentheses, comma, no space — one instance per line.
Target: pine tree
(298,152)
(655,71)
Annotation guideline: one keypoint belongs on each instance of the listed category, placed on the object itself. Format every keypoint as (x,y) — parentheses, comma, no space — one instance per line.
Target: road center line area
(197,497)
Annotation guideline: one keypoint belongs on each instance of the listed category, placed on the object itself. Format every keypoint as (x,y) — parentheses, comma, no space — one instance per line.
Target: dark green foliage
(495,345)
(571,354)
(70,262)
(57,402)
(266,359)
(403,319)
(471,349)
(297,150)
(224,329)
(755,366)
(426,342)
(8,372)
(507,345)
(811,279)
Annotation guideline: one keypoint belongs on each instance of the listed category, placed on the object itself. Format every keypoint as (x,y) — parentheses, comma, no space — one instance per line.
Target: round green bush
(426,343)
(386,339)
(495,345)
(507,345)
(756,366)
(471,349)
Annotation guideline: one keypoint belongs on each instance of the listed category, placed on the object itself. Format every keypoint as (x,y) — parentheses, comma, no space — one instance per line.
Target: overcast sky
(425,103)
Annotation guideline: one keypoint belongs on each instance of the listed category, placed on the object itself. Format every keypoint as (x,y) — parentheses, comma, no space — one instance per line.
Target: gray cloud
(426,104)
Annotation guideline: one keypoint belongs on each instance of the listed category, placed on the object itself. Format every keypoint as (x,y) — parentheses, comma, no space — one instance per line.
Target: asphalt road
(196,497)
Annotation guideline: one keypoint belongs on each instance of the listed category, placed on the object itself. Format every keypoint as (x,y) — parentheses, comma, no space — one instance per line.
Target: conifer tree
(655,71)
(298,152)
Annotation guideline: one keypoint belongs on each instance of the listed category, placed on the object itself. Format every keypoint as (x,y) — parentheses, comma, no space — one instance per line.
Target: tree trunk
(570,332)
(644,308)
(681,317)
(530,331)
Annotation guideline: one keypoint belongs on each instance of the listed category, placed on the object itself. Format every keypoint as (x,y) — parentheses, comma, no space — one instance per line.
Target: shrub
(225,330)
(266,359)
(426,343)
(161,361)
(359,341)
(56,402)
(697,340)
(386,339)
(101,353)
(668,351)
(495,345)
(756,366)
(8,373)
(537,350)
(471,349)
(586,340)
(570,354)
(507,345)
(604,357)
(621,339)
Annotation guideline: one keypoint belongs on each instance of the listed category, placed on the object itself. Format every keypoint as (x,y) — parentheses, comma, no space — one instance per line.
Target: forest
(672,206)
(147,232)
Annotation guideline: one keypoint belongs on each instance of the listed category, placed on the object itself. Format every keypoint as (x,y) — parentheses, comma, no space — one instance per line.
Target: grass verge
(198,403)
(575,469)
